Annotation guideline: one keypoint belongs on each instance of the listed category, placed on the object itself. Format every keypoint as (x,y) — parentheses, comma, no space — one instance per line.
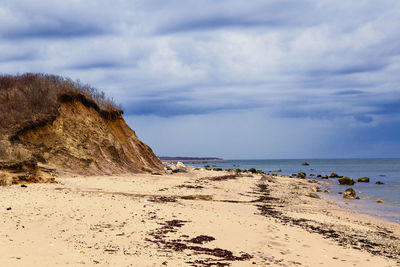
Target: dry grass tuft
(5,179)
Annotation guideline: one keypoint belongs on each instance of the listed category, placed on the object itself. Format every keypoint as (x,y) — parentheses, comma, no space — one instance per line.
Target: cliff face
(80,139)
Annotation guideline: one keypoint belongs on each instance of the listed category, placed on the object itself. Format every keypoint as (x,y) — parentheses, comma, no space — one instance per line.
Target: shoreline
(363,207)
(193,218)
(369,193)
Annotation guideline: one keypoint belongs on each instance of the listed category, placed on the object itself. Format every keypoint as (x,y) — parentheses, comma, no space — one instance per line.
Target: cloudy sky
(235,79)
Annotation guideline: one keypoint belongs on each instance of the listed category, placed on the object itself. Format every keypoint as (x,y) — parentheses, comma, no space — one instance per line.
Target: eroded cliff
(77,137)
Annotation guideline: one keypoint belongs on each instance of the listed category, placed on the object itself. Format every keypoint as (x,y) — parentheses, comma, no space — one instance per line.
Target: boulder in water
(301,175)
(346,181)
(349,193)
(333,175)
(363,180)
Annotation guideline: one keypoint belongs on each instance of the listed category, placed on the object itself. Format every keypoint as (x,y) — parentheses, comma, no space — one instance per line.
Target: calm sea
(384,170)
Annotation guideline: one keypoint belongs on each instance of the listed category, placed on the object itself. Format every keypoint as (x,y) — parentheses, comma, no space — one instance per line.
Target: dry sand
(186,219)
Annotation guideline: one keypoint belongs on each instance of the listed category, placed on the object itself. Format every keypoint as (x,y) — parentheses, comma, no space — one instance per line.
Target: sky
(233,79)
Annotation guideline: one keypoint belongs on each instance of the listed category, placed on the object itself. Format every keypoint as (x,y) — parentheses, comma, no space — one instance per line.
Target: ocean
(384,170)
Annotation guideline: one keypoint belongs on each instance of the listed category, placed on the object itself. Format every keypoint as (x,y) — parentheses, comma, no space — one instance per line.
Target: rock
(169,172)
(24,186)
(346,181)
(9,208)
(319,176)
(315,189)
(274,174)
(305,164)
(252,170)
(172,167)
(357,197)
(190,168)
(349,193)
(313,195)
(333,175)
(325,177)
(363,180)
(379,182)
(180,165)
(311,175)
(379,201)
(326,191)
(302,175)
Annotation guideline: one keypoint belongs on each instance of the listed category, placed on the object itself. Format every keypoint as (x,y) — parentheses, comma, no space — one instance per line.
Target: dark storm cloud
(350,92)
(305,61)
(96,65)
(213,23)
(24,56)
(389,107)
(56,28)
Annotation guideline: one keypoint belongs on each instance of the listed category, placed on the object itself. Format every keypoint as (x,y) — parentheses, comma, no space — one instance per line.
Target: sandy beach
(196,218)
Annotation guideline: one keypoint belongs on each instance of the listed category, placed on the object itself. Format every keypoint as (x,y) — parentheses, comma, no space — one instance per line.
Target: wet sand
(198,218)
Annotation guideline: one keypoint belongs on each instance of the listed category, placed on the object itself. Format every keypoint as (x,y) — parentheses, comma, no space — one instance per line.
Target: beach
(190,218)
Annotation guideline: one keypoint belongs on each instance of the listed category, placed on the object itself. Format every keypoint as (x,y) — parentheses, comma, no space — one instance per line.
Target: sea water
(384,170)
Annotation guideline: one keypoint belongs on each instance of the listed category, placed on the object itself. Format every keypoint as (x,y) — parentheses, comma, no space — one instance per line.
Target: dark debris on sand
(222,257)
(221,178)
(268,205)
(162,199)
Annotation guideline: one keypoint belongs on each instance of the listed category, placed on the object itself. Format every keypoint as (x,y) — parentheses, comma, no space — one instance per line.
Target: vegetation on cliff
(32,98)
(67,126)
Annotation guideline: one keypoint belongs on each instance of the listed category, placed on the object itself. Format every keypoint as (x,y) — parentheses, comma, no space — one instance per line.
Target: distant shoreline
(189,158)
